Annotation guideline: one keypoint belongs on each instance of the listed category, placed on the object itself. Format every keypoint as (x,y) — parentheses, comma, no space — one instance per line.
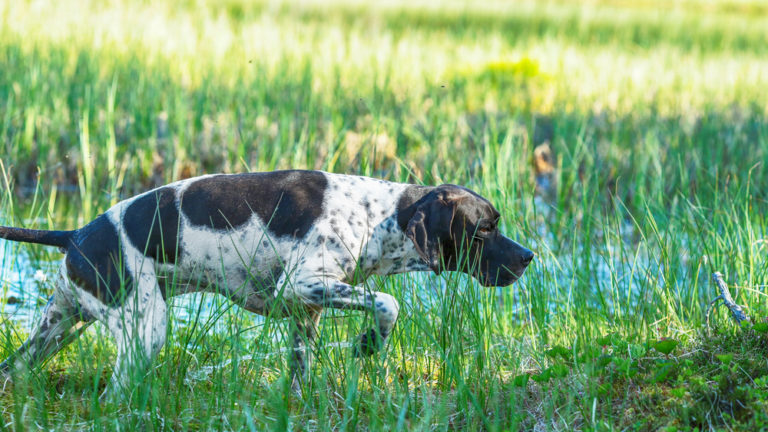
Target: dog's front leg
(340,295)
(302,335)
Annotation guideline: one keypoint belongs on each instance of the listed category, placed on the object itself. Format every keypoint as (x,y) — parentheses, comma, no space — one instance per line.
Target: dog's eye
(483,231)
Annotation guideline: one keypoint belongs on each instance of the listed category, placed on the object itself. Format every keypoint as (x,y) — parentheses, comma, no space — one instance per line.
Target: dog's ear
(430,226)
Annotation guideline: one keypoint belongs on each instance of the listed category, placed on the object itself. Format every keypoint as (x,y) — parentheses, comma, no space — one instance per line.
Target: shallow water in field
(21,284)
(26,283)
(616,268)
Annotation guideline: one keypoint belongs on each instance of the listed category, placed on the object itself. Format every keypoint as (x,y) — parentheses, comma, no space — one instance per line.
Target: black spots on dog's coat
(288,201)
(95,261)
(262,282)
(152,224)
(317,295)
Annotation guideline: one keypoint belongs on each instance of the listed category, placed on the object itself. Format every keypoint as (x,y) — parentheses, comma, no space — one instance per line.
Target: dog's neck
(390,251)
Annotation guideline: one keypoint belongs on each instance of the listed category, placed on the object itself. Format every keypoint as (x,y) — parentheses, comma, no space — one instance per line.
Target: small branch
(737,312)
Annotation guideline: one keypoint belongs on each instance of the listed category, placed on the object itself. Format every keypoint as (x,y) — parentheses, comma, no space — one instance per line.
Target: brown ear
(429,227)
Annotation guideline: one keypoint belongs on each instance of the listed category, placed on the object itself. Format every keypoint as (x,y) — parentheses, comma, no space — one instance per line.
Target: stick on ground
(737,312)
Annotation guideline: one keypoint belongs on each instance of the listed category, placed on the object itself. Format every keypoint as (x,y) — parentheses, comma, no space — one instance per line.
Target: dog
(282,243)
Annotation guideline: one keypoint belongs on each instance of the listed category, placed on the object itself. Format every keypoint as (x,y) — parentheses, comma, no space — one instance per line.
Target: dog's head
(453,228)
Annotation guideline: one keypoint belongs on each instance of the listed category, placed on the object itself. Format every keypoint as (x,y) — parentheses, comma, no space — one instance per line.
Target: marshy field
(624,141)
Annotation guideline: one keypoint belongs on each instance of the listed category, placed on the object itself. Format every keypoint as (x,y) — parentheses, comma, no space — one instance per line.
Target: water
(23,286)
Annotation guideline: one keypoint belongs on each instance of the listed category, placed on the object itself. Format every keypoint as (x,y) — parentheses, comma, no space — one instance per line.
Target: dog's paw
(369,342)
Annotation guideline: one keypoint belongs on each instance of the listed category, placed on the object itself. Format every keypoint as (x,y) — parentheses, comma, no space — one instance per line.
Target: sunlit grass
(655,112)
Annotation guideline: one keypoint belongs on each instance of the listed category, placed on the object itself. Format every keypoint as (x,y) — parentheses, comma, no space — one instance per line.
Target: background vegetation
(656,115)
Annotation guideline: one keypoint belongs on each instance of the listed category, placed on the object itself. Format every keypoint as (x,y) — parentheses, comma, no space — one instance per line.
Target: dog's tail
(50,238)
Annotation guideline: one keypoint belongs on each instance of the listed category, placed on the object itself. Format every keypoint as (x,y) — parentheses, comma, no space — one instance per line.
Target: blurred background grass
(655,113)
(148,93)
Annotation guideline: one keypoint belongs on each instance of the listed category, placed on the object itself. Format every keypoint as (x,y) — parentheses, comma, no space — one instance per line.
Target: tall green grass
(656,116)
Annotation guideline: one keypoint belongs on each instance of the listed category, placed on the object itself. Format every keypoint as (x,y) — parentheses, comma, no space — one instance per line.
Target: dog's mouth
(502,277)
(499,281)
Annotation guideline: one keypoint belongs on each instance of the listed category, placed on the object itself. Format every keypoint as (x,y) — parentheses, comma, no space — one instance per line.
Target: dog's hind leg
(139,328)
(59,325)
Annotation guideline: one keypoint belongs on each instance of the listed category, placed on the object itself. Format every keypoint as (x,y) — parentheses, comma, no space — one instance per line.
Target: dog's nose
(527,257)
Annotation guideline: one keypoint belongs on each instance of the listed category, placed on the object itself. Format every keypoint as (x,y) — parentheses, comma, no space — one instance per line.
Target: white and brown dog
(284,243)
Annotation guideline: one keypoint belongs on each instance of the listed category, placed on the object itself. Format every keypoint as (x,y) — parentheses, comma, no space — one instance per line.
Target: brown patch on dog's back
(289,202)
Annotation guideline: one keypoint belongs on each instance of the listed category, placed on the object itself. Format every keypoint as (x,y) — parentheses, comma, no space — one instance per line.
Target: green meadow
(656,117)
